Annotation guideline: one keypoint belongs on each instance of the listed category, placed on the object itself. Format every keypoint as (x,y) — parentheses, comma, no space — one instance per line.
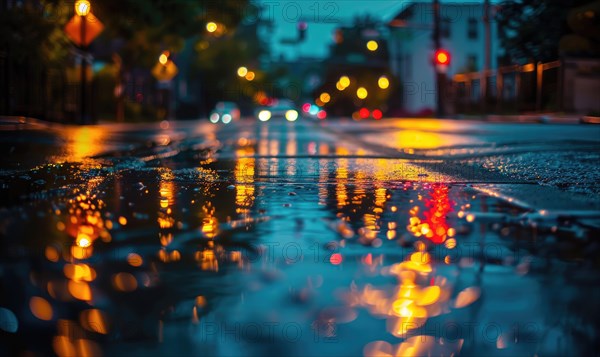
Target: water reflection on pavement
(273,240)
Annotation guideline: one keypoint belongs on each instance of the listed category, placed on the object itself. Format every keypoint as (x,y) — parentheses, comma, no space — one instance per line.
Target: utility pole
(487,63)
(439,76)
(84,117)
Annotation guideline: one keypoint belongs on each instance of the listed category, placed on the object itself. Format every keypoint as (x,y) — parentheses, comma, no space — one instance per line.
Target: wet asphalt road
(397,237)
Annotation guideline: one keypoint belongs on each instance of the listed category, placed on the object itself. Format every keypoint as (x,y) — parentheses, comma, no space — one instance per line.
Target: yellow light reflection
(40,308)
(84,142)
(416,139)
(125,282)
(94,320)
(80,290)
(79,272)
(134,259)
(210,227)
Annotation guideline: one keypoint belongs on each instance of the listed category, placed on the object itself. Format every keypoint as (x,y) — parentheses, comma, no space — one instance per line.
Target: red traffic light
(302,26)
(442,57)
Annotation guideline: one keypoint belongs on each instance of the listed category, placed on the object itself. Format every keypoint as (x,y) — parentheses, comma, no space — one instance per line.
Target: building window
(472,29)
(445,27)
(472,63)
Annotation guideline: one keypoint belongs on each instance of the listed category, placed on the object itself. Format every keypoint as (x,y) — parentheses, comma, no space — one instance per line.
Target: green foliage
(530,30)
(584,21)
(217,58)
(149,27)
(34,34)
(137,31)
(104,85)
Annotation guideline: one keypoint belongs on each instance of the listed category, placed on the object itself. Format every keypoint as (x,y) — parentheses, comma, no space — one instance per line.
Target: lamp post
(164,71)
(82,9)
(82,29)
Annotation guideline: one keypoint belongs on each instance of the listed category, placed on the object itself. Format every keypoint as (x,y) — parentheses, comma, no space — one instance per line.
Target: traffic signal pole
(439,76)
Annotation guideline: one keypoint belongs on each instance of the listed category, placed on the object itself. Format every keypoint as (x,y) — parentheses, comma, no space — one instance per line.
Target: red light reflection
(439,206)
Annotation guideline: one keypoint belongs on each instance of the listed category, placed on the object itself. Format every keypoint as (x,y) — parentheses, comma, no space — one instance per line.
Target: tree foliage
(34,33)
(584,21)
(532,29)
(217,58)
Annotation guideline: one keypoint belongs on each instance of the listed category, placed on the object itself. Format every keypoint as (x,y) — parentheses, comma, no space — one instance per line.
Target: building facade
(462,33)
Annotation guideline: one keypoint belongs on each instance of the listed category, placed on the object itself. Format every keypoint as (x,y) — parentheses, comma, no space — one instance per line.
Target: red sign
(93,27)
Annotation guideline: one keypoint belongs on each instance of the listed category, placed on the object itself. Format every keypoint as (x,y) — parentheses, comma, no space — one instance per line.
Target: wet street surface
(390,238)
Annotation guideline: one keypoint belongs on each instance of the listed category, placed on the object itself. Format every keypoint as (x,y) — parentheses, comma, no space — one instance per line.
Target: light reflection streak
(434,225)
(341,175)
(84,142)
(165,219)
(421,293)
(244,176)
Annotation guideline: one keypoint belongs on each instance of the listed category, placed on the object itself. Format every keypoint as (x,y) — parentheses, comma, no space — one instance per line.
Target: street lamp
(82,8)
(163,58)
(164,71)
(82,29)
(211,27)
(242,71)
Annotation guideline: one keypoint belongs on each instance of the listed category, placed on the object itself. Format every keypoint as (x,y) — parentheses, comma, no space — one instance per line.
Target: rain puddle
(260,256)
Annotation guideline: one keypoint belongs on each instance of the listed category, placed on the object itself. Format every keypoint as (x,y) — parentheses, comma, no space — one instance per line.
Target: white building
(412,48)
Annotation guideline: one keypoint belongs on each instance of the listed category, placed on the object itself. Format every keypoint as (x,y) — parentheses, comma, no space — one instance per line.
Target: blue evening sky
(323,16)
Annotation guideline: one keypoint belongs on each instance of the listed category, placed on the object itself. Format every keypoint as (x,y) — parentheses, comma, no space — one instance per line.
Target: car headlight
(291,115)
(214,118)
(226,118)
(264,115)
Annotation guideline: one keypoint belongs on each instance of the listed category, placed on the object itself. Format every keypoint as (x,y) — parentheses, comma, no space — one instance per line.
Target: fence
(509,89)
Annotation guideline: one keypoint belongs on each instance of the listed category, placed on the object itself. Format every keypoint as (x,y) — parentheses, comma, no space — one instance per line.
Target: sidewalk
(547,118)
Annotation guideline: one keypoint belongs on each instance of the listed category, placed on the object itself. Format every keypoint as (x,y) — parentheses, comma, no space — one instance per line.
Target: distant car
(281,108)
(226,112)
(313,111)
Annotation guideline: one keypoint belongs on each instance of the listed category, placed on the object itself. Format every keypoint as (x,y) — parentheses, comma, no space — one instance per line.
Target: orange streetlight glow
(242,71)
(211,27)
(383,82)
(372,45)
(163,58)
(82,7)
(361,93)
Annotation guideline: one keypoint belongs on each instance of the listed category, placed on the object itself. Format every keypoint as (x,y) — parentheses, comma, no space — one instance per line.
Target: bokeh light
(211,27)
(383,82)
(372,45)
(362,93)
